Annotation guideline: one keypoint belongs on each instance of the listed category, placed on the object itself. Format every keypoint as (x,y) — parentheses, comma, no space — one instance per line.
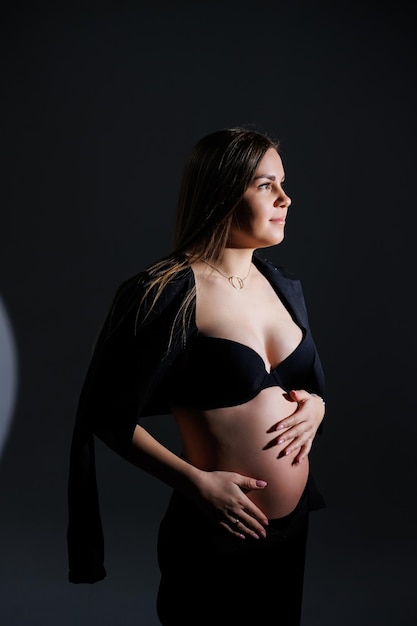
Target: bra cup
(214,372)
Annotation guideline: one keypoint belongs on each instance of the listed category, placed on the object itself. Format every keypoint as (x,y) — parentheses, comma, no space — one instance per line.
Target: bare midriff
(242,439)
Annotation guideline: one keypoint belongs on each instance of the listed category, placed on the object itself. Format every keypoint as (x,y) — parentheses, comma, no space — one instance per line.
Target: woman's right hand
(222,496)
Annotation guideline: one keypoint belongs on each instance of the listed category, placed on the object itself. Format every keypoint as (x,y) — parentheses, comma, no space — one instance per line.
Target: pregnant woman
(219,337)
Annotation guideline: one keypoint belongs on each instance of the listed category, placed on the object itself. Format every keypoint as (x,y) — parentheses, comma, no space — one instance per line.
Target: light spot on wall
(8,375)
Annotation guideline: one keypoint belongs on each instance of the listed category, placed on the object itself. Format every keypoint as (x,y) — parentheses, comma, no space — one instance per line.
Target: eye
(265,186)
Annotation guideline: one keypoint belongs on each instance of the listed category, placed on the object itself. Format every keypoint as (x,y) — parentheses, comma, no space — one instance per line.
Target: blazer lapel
(288,289)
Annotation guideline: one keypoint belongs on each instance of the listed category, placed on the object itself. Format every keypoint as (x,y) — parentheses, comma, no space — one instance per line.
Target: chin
(274,241)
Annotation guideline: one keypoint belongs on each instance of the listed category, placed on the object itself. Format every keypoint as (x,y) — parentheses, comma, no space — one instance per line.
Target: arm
(221,495)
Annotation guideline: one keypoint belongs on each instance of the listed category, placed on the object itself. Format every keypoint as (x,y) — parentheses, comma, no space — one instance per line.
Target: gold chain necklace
(237,282)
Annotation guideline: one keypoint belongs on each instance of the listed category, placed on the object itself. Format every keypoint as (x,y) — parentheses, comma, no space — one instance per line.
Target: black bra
(214,372)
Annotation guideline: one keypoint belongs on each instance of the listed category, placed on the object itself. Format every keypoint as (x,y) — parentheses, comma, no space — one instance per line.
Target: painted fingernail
(281,440)
(261,483)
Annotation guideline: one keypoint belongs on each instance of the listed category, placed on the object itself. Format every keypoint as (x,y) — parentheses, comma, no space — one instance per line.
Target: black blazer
(125,381)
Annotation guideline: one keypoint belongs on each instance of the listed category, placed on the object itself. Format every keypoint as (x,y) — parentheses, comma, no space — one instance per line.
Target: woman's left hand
(299,429)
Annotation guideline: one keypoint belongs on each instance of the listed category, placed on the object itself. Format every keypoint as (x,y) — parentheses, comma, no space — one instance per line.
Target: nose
(282,200)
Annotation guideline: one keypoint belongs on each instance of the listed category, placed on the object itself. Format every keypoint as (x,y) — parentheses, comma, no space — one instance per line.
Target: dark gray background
(101,104)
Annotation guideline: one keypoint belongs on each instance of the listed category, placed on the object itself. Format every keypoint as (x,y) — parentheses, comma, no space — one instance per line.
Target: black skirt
(209,576)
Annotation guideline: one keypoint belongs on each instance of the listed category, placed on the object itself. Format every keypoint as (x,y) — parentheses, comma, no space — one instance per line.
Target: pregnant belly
(285,484)
(242,439)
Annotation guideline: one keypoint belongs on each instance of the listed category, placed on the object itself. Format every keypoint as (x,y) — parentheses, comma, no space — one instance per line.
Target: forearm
(154,458)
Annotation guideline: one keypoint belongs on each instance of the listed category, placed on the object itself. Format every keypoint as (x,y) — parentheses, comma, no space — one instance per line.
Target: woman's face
(259,220)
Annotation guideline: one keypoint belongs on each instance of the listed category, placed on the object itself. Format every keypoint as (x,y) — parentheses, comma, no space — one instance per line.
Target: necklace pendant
(236,282)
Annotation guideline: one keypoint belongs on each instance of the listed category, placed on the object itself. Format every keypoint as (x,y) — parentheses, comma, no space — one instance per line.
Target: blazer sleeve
(132,352)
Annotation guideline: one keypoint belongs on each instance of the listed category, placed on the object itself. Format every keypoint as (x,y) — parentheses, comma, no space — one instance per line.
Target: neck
(235,261)
(237,281)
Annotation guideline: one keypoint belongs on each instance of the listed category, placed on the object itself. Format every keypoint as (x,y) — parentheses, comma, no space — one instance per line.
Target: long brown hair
(216,175)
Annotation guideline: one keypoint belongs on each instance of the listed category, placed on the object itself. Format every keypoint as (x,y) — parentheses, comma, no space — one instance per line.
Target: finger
(245,510)
(250,519)
(295,444)
(302,454)
(288,422)
(292,434)
(254,520)
(247,484)
(236,525)
(232,528)
(247,517)
(247,530)
(298,395)
(244,525)
(238,528)
(299,434)
(278,441)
